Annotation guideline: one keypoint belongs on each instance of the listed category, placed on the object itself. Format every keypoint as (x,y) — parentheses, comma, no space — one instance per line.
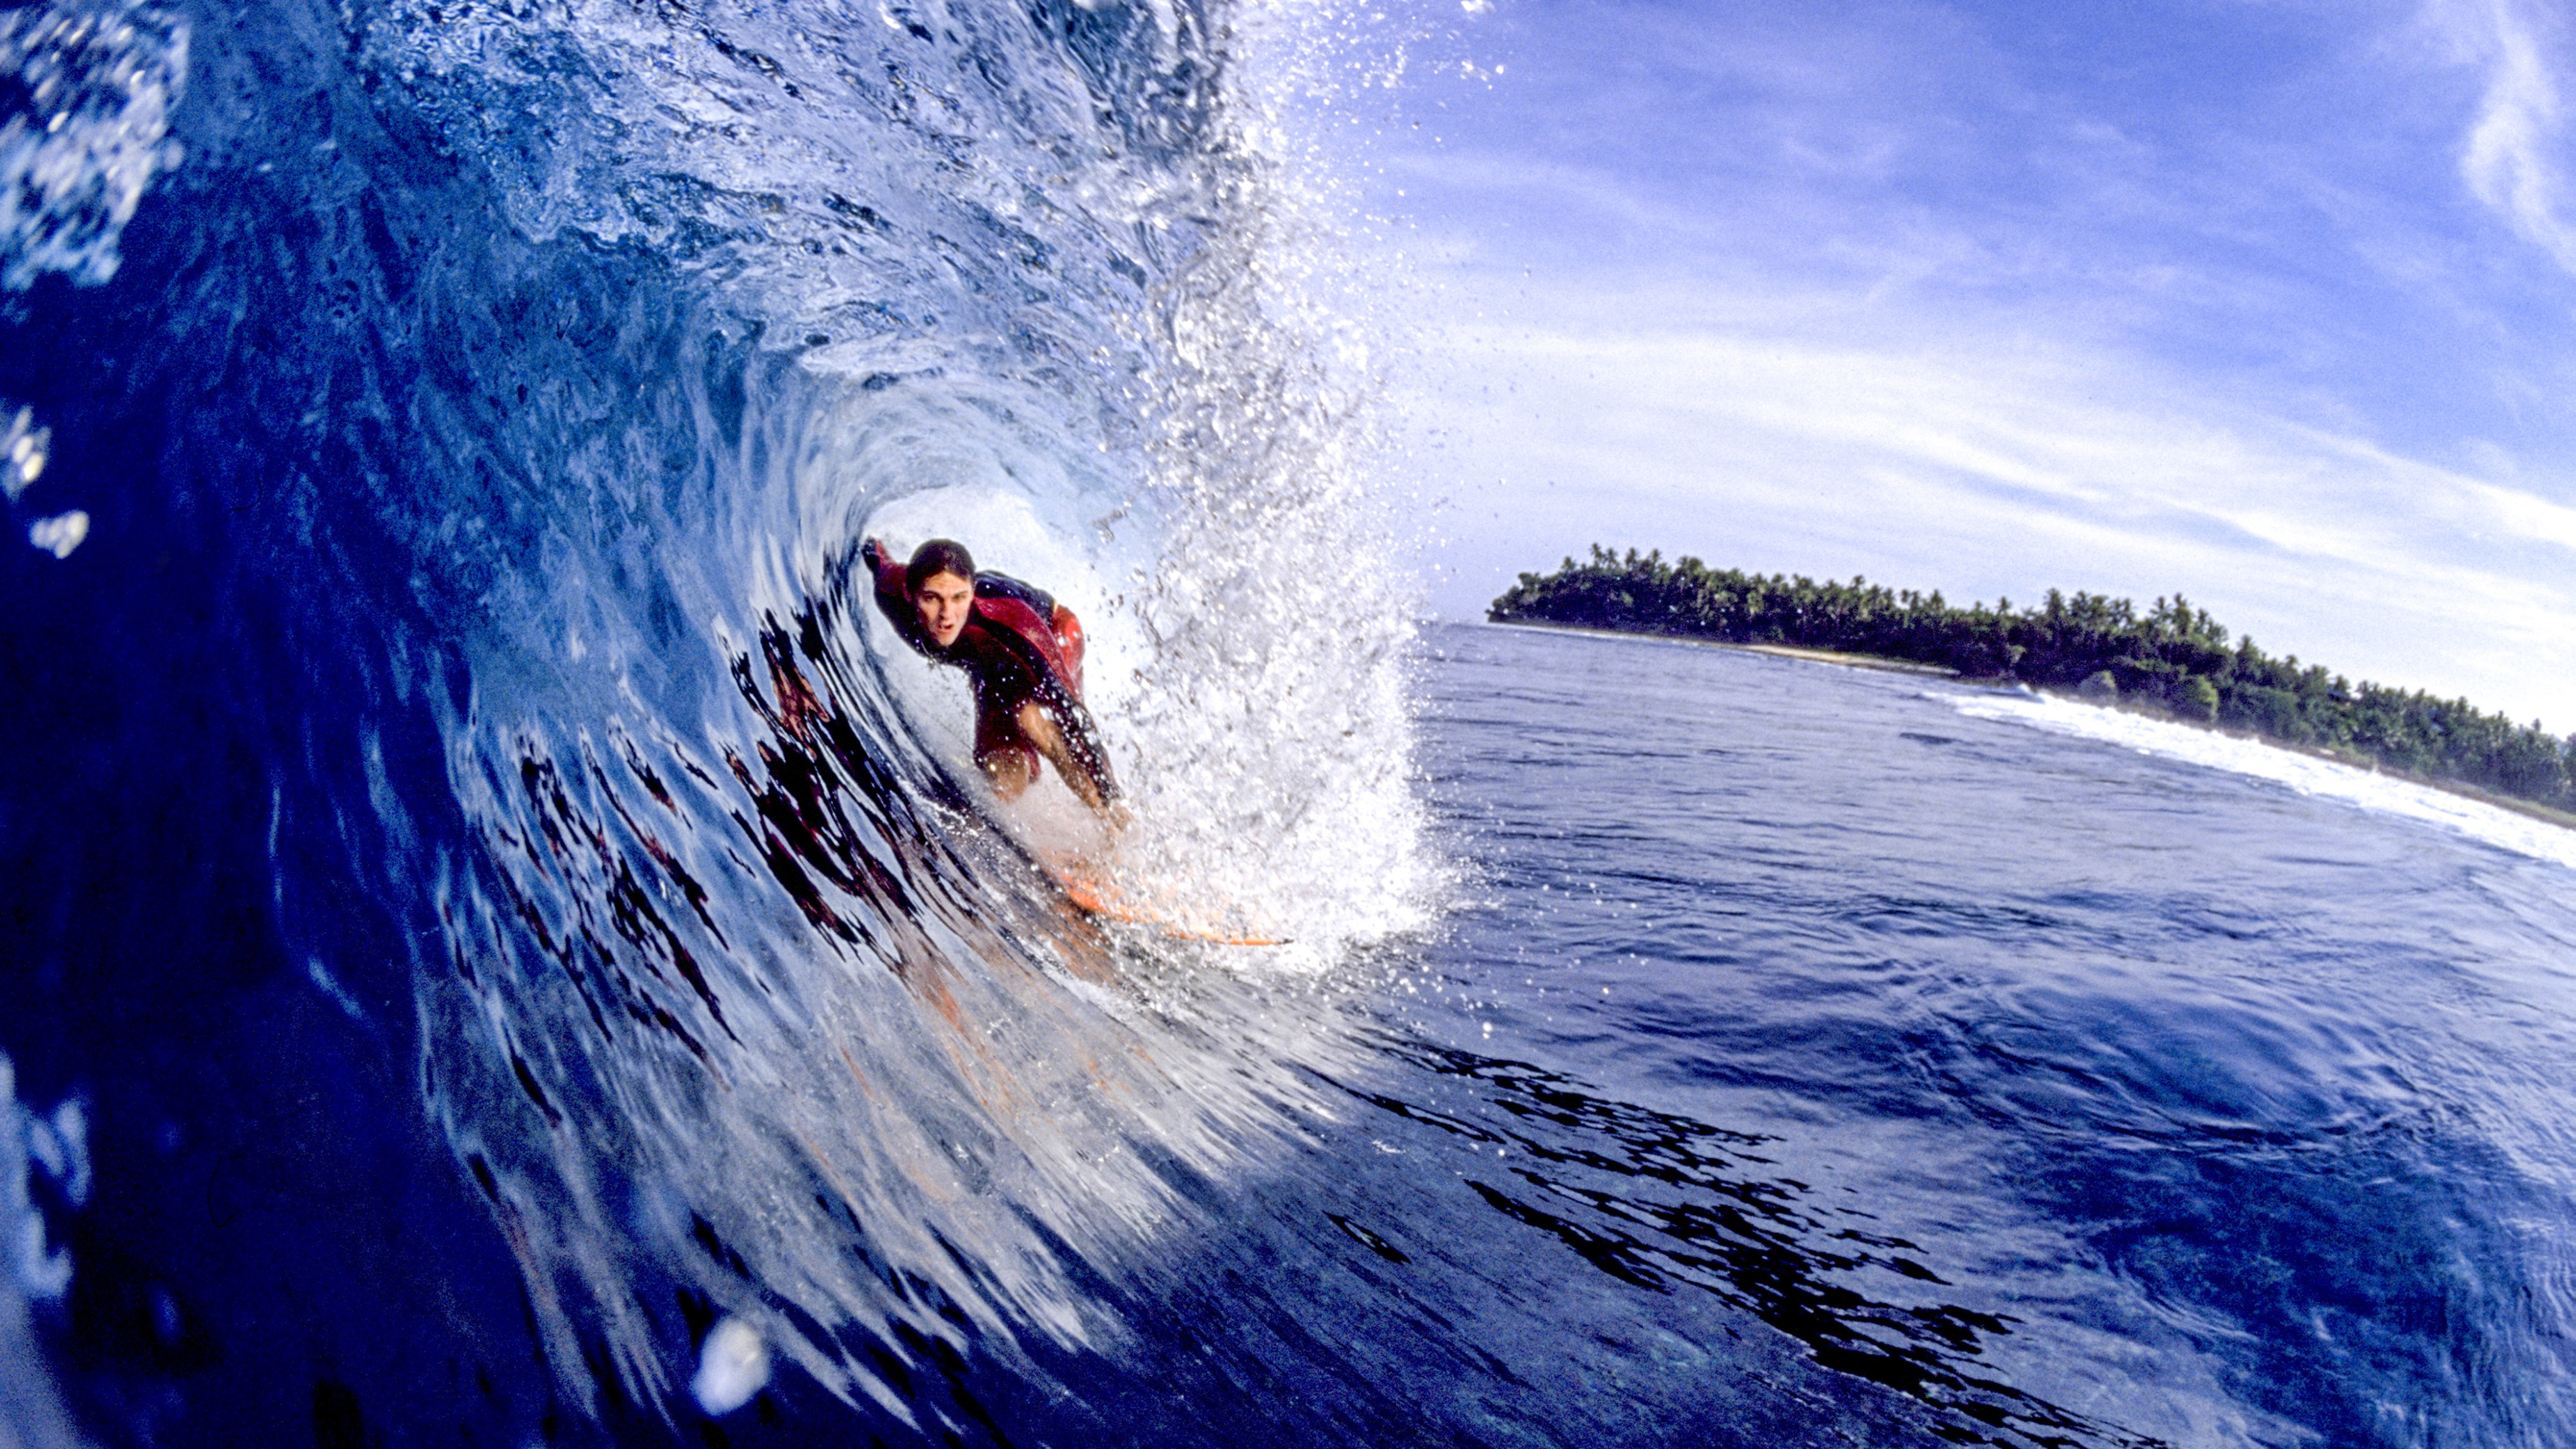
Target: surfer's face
(944,601)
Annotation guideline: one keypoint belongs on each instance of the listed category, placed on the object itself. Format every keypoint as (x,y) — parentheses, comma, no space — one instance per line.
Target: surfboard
(1099,895)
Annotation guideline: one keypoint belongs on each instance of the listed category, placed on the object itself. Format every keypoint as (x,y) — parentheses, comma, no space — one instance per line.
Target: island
(2171,660)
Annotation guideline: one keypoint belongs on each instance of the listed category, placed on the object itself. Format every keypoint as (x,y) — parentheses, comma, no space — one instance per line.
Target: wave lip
(2306,774)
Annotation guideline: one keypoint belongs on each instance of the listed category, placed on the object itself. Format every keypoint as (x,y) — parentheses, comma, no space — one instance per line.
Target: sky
(2266,302)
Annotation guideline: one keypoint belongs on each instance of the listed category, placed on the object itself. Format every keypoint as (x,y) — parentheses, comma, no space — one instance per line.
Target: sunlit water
(506,948)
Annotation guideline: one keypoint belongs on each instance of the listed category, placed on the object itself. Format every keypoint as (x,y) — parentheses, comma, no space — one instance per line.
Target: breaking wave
(513,384)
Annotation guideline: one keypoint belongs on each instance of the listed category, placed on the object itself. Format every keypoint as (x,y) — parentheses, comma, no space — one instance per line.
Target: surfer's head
(941,582)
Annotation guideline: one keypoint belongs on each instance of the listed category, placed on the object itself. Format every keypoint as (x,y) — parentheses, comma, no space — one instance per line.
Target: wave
(524,379)
(2308,775)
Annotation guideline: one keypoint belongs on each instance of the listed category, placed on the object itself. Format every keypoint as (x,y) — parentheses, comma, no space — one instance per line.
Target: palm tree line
(2172,659)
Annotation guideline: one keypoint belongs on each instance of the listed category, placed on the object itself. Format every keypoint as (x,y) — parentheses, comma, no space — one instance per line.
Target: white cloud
(2523,516)
(2513,158)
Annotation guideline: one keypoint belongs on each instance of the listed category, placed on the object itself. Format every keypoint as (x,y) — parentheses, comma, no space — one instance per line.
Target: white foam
(23,447)
(733,1365)
(60,534)
(1264,746)
(73,168)
(32,1415)
(2307,774)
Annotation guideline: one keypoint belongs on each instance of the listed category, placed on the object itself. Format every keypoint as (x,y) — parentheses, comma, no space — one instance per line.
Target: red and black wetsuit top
(1018,644)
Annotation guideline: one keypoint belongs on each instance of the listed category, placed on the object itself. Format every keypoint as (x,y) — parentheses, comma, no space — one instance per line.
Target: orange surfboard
(1097,895)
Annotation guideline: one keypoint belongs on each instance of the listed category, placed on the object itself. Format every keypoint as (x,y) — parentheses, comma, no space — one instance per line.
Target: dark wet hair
(939,556)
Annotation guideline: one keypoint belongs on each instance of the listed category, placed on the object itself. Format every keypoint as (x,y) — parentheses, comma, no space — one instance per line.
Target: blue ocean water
(505,949)
(2207,1108)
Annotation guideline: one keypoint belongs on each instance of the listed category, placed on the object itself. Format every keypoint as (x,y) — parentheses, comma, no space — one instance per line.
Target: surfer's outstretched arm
(1079,762)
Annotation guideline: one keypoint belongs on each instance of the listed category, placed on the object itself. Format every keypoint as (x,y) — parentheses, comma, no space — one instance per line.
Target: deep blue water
(497,932)
(2234,1105)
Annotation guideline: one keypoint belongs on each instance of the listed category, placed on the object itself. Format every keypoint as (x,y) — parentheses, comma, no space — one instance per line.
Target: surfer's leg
(1012,771)
(1004,752)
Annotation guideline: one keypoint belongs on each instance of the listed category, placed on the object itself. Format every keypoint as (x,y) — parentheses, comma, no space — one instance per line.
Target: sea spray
(85,100)
(1277,751)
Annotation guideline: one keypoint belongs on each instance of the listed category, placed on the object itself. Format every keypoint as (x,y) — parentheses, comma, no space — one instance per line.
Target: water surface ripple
(2074,1092)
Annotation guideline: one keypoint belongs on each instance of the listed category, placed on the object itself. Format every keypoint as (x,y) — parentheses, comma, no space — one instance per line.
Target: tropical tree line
(2170,659)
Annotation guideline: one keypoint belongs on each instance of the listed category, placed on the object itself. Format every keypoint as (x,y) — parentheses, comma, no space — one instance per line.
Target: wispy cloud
(2260,303)
(2513,159)
(1989,466)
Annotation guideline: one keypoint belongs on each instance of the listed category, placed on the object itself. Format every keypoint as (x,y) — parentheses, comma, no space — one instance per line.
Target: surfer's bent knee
(1011,768)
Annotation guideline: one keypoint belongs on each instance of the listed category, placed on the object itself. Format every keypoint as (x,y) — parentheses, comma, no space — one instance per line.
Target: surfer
(1022,649)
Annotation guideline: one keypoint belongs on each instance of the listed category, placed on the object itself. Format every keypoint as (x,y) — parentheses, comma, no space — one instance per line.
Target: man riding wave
(1022,649)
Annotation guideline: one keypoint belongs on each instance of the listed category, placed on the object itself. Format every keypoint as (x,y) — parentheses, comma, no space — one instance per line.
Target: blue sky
(2267,301)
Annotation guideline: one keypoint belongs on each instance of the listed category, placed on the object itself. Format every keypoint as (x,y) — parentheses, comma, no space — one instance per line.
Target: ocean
(507,948)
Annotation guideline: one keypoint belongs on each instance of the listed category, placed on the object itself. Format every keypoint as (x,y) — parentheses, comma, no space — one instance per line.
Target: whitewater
(507,947)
